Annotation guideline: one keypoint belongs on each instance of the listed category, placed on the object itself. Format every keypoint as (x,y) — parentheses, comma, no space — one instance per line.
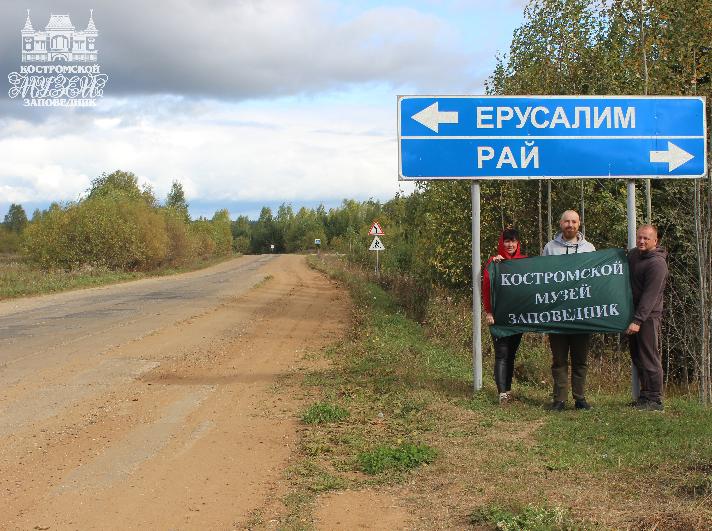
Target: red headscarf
(485,274)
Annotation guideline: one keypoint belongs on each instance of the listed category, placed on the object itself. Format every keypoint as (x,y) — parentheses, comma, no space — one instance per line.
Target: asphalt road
(156,404)
(91,321)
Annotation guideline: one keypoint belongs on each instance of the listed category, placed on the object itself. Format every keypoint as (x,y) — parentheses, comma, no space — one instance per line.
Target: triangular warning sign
(377,245)
(376,229)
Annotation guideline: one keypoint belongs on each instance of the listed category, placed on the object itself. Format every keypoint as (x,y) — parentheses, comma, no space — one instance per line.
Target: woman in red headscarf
(505,348)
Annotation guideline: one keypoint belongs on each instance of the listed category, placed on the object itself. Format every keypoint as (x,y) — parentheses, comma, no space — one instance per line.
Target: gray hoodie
(560,246)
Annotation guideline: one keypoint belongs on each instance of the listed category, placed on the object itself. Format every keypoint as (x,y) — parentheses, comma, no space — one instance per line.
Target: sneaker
(582,404)
(505,398)
(557,405)
(650,405)
(636,403)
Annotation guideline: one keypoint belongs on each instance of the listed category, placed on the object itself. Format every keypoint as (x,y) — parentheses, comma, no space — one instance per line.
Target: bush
(48,239)
(202,239)
(222,233)
(241,244)
(180,243)
(9,241)
(112,231)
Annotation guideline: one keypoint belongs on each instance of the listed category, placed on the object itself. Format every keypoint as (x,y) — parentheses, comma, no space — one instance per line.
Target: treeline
(341,229)
(119,226)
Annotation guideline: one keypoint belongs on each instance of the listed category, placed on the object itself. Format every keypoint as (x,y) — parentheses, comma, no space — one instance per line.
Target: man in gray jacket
(569,241)
(648,273)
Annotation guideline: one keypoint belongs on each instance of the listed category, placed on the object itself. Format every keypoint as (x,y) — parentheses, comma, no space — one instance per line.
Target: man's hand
(490,319)
(632,329)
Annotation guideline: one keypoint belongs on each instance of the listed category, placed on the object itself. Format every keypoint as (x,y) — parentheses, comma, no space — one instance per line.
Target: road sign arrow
(431,117)
(674,156)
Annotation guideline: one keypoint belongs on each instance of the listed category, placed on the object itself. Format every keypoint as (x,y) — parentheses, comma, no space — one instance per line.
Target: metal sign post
(547,137)
(377,245)
(476,290)
(632,230)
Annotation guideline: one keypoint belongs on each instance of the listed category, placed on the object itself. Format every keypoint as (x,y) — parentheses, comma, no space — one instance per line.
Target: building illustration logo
(59,65)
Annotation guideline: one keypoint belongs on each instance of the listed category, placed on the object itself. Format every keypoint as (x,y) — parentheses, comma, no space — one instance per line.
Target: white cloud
(259,48)
(219,151)
(254,100)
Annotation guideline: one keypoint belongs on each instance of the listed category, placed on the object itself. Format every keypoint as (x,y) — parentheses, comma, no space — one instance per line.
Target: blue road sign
(534,137)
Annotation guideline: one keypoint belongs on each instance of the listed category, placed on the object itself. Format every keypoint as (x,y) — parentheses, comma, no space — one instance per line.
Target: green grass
(402,457)
(614,436)
(323,412)
(529,518)
(18,278)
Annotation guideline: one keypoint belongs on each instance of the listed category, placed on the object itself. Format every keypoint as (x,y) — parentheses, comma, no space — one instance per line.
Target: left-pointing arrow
(674,156)
(431,117)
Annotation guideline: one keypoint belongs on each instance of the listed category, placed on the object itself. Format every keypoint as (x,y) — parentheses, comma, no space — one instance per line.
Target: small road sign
(533,137)
(376,229)
(317,241)
(376,245)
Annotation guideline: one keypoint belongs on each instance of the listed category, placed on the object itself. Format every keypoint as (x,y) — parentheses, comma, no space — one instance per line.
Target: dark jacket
(648,272)
(485,274)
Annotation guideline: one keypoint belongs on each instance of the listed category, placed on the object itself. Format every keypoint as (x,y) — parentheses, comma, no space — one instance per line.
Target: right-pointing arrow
(674,156)
(431,117)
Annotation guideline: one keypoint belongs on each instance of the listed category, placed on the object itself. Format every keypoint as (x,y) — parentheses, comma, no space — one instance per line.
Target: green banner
(572,293)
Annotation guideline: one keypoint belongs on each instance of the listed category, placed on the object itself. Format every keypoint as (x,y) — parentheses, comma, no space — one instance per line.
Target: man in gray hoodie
(648,273)
(569,241)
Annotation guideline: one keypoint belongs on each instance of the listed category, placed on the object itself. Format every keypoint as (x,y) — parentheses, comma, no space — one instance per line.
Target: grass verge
(462,461)
(19,278)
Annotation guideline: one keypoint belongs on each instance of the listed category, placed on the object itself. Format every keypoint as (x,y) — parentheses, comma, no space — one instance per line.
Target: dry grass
(20,278)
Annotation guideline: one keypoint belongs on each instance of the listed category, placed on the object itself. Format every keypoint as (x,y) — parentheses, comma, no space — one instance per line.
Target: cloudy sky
(245,102)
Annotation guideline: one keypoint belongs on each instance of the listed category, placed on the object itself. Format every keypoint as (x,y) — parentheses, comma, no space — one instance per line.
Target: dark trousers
(645,354)
(561,346)
(505,349)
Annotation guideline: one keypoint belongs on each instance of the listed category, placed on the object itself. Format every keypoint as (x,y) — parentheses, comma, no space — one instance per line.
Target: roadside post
(632,230)
(547,137)
(376,244)
(317,242)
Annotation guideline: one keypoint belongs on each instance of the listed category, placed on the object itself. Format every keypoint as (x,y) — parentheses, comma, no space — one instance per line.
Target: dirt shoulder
(180,428)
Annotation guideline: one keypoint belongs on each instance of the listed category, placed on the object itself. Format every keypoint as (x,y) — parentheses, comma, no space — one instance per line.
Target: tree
(222,233)
(241,230)
(122,183)
(306,227)
(175,200)
(15,219)
(263,232)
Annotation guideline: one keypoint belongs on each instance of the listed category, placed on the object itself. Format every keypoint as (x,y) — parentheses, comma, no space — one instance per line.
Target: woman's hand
(490,319)
(498,258)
